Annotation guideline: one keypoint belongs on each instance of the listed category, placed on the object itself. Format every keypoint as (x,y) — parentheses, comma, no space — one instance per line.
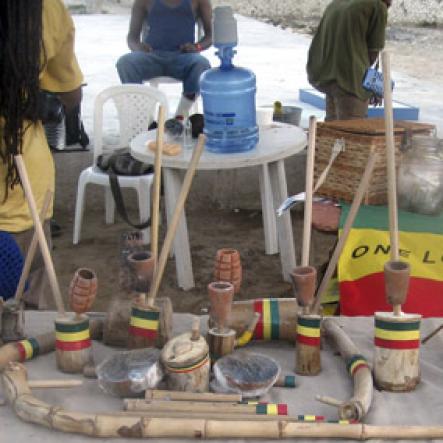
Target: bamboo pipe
(155,394)
(390,156)
(359,404)
(201,415)
(175,219)
(54,384)
(307,221)
(157,182)
(41,236)
(247,335)
(120,425)
(356,202)
(31,251)
(190,406)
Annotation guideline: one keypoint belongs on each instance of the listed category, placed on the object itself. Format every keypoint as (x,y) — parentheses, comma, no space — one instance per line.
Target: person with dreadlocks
(36,53)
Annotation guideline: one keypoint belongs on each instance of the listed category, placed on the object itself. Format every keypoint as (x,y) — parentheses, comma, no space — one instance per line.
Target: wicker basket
(360,138)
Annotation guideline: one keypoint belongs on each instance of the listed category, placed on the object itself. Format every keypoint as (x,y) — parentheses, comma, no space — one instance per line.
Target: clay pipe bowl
(396,275)
(142,264)
(220,299)
(304,281)
(82,290)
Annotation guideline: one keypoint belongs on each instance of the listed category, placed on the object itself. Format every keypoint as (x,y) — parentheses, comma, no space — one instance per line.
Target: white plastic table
(277,142)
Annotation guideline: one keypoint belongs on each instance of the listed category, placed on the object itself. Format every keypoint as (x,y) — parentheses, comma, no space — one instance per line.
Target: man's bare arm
(205,16)
(138,14)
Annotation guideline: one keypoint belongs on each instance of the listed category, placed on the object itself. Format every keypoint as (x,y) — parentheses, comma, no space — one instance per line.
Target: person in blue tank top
(162,40)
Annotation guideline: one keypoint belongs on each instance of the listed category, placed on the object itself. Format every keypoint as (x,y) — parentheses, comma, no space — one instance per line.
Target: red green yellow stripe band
(310,418)
(271,409)
(308,331)
(190,368)
(355,363)
(66,328)
(72,345)
(268,326)
(28,349)
(144,323)
(397,335)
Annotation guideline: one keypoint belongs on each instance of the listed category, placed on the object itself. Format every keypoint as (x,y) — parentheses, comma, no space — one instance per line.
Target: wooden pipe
(176,219)
(32,250)
(157,182)
(353,210)
(54,384)
(396,275)
(41,236)
(220,294)
(304,281)
(155,394)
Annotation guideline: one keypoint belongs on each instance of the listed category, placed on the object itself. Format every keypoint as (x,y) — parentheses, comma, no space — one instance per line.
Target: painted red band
(21,351)
(258,307)
(139,332)
(309,341)
(72,345)
(396,344)
(282,409)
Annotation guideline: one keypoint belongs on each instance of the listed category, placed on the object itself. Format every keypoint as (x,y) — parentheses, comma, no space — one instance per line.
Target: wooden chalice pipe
(304,281)
(142,264)
(396,275)
(220,298)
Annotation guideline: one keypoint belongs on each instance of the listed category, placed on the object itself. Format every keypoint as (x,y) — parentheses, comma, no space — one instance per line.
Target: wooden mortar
(307,361)
(397,347)
(186,361)
(73,343)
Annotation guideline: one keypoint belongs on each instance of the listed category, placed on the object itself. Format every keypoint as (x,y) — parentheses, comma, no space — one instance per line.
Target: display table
(277,142)
(424,406)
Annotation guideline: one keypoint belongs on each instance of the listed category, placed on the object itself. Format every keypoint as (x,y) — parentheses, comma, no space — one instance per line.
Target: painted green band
(350,361)
(394,326)
(289,381)
(275,319)
(66,328)
(309,322)
(35,346)
(147,315)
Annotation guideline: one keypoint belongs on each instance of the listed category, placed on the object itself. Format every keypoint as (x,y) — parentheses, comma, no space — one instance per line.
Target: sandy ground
(416,53)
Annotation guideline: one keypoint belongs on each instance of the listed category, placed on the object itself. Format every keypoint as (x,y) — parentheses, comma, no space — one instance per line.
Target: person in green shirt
(348,40)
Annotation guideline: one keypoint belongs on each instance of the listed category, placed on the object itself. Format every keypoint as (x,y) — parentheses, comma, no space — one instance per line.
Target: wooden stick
(41,236)
(32,250)
(429,336)
(309,191)
(364,182)
(190,406)
(154,394)
(120,425)
(157,182)
(359,404)
(390,156)
(176,219)
(54,384)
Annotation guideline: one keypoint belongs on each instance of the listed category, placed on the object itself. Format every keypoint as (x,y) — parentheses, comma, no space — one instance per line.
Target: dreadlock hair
(21,49)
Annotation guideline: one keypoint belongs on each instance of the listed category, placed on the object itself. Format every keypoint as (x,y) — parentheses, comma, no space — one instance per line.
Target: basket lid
(181,351)
(374,126)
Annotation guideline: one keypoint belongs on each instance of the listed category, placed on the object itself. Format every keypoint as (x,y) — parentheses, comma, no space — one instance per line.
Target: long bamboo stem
(153,394)
(31,251)
(175,219)
(307,221)
(364,182)
(390,155)
(41,236)
(157,182)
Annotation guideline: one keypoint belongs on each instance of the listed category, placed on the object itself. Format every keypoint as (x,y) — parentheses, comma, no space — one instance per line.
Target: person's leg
(188,67)
(136,67)
(331,112)
(38,292)
(349,106)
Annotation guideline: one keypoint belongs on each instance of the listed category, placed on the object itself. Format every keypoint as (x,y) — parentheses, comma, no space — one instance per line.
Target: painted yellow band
(397,335)
(143,323)
(267,327)
(308,332)
(76,336)
(28,349)
(272,409)
(309,418)
(357,363)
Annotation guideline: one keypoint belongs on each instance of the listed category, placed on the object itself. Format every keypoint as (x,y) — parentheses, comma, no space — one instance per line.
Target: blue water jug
(228,94)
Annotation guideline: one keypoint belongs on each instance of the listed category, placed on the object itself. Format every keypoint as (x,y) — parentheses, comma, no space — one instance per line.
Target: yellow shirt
(61,73)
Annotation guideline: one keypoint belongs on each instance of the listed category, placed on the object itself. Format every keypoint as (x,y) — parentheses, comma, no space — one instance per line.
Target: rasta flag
(360,267)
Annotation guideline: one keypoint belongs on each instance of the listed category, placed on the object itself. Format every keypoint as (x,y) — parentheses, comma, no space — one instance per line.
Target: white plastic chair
(136,107)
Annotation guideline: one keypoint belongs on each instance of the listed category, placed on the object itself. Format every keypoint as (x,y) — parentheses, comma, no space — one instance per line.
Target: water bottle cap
(224,27)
